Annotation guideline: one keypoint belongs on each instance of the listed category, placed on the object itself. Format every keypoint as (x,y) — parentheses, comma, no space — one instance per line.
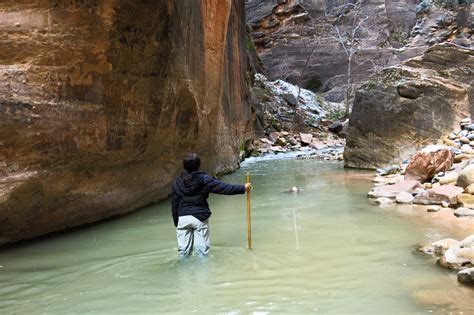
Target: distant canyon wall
(101,99)
(301,41)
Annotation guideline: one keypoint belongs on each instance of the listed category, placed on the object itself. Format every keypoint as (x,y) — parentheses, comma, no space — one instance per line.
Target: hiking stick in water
(249,221)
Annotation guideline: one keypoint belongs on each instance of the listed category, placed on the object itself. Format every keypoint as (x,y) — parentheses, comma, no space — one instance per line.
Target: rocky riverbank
(293,119)
(440,178)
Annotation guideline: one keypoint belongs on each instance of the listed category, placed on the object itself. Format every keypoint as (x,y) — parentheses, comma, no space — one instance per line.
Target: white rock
(404,197)
(443,245)
(464,212)
(448,178)
(434,209)
(383,201)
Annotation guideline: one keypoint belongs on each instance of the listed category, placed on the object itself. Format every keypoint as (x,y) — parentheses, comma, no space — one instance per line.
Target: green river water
(325,250)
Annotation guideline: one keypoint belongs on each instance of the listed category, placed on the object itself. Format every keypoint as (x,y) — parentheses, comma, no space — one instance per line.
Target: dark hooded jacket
(190,193)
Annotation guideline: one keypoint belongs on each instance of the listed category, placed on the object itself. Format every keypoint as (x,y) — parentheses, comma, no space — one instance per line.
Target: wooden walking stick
(249,220)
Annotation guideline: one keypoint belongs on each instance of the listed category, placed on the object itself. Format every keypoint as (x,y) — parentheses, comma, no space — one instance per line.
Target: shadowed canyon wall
(101,99)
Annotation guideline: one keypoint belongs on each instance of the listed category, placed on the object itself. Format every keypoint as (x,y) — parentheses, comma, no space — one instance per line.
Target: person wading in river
(190,208)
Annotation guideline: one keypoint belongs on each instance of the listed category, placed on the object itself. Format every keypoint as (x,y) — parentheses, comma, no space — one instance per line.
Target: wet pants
(192,232)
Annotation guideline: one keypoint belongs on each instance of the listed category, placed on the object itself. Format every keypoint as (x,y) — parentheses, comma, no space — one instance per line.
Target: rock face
(100,100)
(301,41)
(287,33)
(406,107)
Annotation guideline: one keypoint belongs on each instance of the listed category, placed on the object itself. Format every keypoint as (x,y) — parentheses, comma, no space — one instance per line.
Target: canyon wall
(101,99)
(302,41)
(329,46)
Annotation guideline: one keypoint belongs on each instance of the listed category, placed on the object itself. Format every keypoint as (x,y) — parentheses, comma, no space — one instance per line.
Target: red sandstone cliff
(100,101)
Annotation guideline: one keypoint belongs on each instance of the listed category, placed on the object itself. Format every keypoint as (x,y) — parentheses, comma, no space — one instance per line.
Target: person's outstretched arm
(218,187)
(174,207)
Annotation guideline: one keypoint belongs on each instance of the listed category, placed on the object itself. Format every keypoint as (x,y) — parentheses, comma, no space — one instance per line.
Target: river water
(325,250)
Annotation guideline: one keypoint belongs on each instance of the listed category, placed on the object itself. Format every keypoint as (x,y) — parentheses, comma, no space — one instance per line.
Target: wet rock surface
(99,101)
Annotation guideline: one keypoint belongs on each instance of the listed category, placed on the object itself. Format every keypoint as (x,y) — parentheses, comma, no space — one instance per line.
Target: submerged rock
(466,276)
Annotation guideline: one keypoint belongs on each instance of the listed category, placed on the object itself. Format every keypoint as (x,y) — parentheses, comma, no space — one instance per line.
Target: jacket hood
(189,183)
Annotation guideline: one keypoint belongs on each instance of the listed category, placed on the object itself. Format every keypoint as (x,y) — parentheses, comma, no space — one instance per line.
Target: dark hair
(191,162)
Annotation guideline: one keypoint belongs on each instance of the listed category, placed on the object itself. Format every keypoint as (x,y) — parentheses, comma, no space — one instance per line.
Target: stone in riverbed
(448,178)
(428,162)
(441,246)
(383,201)
(450,143)
(466,177)
(464,212)
(454,258)
(437,195)
(391,191)
(461,157)
(469,127)
(281,142)
(466,276)
(266,141)
(466,200)
(306,138)
(469,189)
(434,209)
(464,140)
(388,180)
(444,204)
(392,169)
(404,197)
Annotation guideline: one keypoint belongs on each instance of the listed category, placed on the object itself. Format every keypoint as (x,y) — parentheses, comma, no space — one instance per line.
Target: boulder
(425,164)
(466,276)
(454,258)
(391,191)
(388,124)
(266,141)
(388,170)
(461,157)
(464,212)
(306,138)
(466,177)
(441,246)
(281,142)
(434,209)
(317,144)
(336,127)
(437,195)
(404,197)
(466,200)
(448,178)
(383,201)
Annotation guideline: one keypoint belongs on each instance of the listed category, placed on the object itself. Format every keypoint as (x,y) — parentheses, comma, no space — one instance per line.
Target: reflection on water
(325,250)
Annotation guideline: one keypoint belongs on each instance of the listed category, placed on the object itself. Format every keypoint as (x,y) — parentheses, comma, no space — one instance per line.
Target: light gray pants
(190,231)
